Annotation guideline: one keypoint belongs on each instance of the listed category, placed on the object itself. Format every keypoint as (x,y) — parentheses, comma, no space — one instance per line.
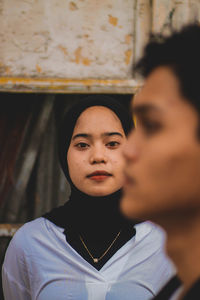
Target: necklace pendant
(96,260)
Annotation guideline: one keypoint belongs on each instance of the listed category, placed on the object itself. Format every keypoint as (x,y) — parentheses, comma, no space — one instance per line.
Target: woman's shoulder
(30,228)
(33,232)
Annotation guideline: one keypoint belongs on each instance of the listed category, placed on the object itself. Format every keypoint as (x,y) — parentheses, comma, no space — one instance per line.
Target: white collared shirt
(40,265)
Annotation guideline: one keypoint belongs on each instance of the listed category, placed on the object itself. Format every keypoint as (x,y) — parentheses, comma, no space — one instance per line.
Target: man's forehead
(144,103)
(141,100)
(159,90)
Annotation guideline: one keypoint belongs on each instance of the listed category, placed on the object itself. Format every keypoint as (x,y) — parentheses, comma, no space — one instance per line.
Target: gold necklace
(95,259)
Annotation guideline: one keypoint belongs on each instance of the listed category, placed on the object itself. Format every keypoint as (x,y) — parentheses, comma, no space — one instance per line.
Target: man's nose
(129,150)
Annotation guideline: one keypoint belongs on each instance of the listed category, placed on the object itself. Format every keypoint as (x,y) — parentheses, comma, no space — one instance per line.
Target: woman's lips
(99,175)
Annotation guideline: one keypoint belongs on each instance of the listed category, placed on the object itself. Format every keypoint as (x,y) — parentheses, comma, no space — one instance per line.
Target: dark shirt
(194,292)
(170,288)
(167,291)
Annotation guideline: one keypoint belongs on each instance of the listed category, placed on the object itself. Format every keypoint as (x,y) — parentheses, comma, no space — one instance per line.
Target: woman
(86,249)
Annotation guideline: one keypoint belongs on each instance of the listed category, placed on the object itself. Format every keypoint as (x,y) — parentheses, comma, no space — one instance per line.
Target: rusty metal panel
(51,187)
(27,156)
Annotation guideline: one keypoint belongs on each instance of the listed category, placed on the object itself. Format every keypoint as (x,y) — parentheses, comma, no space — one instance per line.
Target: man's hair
(181,53)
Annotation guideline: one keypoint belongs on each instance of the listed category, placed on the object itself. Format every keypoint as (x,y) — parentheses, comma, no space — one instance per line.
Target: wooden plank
(55,85)
(8,230)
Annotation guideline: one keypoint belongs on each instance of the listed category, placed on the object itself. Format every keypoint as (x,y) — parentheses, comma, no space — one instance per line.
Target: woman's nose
(98,155)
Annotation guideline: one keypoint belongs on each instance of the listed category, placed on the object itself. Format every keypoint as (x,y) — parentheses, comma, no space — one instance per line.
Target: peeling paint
(128,38)
(73,6)
(86,61)
(5,69)
(66,39)
(8,70)
(79,58)
(113,20)
(128,54)
(63,49)
(77,54)
(38,68)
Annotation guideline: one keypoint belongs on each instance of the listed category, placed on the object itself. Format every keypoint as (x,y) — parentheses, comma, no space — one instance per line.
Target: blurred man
(163,152)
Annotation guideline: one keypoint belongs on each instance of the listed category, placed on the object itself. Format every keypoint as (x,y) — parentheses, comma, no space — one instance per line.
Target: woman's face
(94,157)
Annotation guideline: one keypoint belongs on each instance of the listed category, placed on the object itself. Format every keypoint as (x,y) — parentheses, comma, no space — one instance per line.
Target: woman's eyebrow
(89,136)
(112,133)
(85,135)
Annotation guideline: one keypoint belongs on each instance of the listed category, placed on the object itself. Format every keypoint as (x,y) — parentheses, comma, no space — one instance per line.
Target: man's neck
(183,246)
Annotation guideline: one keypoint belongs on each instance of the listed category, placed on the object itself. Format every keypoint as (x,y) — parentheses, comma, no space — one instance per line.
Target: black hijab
(96,219)
(69,122)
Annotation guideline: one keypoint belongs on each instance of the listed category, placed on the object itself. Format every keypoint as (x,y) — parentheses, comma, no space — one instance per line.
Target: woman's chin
(99,192)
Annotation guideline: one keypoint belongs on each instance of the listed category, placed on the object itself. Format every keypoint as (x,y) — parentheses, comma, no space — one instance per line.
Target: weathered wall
(63,38)
(174,12)
(81,46)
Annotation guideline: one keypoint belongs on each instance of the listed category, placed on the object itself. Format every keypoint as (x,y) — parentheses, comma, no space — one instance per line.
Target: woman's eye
(113,144)
(82,146)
